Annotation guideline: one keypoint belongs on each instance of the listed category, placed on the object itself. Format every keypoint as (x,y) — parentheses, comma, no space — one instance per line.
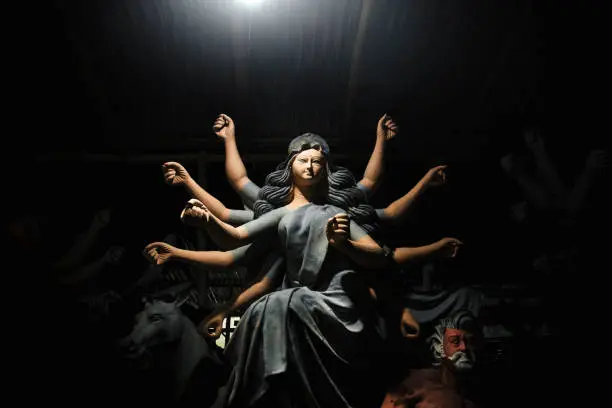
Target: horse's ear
(146,300)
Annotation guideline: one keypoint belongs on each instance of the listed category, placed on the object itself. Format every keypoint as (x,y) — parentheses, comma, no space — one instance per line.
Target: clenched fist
(338,229)
(175,174)
(159,252)
(224,127)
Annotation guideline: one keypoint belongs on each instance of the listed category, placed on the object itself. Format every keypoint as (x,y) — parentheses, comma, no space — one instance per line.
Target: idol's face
(308,167)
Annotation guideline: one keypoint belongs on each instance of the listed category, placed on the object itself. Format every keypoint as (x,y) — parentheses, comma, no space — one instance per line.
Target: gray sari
(309,343)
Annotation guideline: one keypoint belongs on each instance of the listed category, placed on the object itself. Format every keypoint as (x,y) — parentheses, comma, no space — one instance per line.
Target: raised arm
(386,130)
(363,250)
(546,170)
(235,170)
(595,164)
(396,211)
(160,252)
(176,175)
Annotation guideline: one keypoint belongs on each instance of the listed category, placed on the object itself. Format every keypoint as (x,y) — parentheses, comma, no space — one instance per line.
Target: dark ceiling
(151,75)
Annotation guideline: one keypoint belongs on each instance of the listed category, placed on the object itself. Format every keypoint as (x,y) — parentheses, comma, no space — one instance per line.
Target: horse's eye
(155,317)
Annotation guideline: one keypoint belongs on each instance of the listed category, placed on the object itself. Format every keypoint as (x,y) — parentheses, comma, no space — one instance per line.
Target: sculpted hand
(436,176)
(224,127)
(195,214)
(409,327)
(338,229)
(213,325)
(175,174)
(386,129)
(159,252)
(448,247)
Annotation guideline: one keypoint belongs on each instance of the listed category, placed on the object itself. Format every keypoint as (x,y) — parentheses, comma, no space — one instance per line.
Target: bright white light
(250,2)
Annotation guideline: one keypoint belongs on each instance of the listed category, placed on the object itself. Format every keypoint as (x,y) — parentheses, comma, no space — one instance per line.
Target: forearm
(211,259)
(254,292)
(412,254)
(375,167)
(364,254)
(223,234)
(398,209)
(234,167)
(215,206)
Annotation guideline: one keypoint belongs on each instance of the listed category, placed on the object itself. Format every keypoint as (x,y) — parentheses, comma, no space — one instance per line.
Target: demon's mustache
(462,360)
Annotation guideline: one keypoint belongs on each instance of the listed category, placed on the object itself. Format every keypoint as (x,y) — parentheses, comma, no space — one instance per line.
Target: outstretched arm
(234,167)
(196,214)
(386,130)
(160,252)
(363,250)
(397,210)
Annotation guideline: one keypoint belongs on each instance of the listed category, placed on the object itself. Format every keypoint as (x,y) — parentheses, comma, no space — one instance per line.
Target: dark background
(109,90)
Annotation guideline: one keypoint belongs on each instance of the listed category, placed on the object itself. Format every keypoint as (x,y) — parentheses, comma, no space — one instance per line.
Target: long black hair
(340,186)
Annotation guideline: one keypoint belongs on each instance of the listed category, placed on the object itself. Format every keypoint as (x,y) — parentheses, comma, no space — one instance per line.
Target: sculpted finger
(172,165)
(153,245)
(196,203)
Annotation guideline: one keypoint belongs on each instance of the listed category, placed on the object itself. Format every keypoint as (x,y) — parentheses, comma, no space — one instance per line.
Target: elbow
(226,260)
(224,215)
(241,235)
(368,183)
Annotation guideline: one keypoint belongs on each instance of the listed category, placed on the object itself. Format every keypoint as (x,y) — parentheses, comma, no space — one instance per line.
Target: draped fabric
(311,343)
